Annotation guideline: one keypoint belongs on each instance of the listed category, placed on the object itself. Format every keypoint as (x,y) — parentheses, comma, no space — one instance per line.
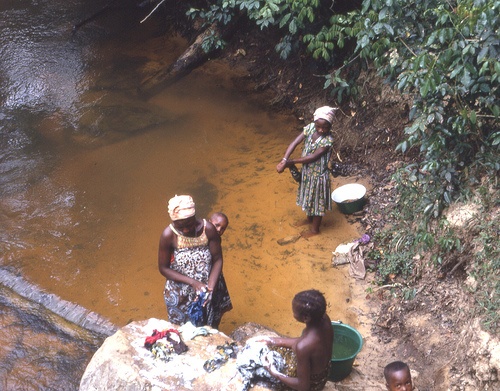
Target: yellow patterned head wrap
(181,207)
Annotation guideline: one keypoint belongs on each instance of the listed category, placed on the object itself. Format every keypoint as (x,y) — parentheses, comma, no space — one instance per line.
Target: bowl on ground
(350,198)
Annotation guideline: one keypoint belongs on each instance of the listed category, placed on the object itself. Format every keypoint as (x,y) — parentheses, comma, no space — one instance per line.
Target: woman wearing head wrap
(314,189)
(190,258)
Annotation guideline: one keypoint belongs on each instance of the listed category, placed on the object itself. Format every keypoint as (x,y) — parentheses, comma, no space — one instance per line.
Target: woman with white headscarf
(313,195)
(190,258)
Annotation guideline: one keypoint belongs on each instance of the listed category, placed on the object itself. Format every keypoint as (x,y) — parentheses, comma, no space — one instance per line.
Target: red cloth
(158,335)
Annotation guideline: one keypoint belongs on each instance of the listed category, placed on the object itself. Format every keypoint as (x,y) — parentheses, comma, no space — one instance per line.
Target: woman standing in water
(190,258)
(314,190)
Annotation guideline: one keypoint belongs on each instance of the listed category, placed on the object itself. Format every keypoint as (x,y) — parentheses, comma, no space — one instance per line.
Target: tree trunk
(193,57)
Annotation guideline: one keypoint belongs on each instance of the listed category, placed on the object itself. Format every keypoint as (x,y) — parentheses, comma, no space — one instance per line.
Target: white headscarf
(326,112)
(181,207)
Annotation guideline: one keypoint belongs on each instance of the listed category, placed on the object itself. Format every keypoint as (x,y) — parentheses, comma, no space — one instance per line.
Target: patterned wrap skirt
(196,263)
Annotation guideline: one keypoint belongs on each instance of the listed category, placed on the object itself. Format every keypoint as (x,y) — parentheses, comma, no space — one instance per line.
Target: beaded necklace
(190,242)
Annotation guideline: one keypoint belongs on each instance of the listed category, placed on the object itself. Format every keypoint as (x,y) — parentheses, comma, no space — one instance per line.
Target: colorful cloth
(251,364)
(318,380)
(223,354)
(192,258)
(221,303)
(148,343)
(313,195)
(190,331)
(163,350)
(196,310)
(164,344)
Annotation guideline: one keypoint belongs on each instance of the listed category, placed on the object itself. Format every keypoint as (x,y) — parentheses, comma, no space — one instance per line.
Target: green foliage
(212,41)
(446,55)
(340,88)
(293,17)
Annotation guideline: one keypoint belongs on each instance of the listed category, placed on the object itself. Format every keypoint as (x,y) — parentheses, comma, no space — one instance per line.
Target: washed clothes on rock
(313,195)
(192,258)
(250,363)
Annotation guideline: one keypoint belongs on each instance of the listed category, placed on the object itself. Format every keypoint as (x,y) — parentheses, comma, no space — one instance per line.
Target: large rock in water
(123,363)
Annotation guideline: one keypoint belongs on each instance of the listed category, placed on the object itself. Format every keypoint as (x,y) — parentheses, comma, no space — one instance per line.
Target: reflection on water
(42,66)
(86,169)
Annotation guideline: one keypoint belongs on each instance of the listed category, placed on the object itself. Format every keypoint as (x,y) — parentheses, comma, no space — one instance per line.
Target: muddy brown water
(88,168)
(223,151)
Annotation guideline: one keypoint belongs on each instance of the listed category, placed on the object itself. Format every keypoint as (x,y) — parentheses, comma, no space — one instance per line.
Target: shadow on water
(206,193)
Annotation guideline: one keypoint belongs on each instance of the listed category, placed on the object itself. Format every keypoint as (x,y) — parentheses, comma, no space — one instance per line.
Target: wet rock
(288,239)
(122,362)
(40,350)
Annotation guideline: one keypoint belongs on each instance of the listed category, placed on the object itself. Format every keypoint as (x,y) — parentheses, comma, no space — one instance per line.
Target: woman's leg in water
(316,223)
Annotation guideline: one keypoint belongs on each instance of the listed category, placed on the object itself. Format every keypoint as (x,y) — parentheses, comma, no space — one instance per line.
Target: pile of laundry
(223,354)
(251,363)
(353,253)
(164,344)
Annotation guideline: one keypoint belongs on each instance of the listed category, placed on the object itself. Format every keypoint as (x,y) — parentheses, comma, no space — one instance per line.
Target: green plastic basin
(350,198)
(347,343)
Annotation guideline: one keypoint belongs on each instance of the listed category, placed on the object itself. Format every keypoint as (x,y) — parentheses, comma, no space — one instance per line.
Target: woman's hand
(261,338)
(268,363)
(199,287)
(202,289)
(208,297)
(282,165)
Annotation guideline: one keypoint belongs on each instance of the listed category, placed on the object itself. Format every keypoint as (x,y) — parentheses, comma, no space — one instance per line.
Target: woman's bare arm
(285,162)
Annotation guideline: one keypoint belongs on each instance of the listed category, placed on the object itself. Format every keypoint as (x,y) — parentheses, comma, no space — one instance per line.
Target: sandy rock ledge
(123,363)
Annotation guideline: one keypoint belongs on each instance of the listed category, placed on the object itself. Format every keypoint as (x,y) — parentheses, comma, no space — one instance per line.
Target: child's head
(220,221)
(309,305)
(398,377)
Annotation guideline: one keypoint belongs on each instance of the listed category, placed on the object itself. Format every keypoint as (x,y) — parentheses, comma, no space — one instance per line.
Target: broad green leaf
(456,71)
(482,54)
(495,110)
(473,117)
(425,88)
(447,196)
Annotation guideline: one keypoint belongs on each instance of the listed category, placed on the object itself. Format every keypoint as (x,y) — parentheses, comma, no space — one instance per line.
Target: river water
(87,168)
